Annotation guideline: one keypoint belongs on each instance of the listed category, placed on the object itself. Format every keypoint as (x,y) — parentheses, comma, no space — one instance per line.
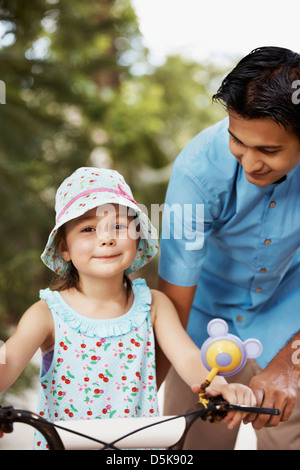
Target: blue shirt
(247,270)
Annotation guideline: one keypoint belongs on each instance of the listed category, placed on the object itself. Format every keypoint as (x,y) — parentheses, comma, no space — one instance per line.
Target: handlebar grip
(254,409)
(9,415)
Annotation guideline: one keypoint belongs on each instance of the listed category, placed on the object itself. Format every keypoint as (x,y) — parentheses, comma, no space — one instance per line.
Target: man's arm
(182,298)
(277,385)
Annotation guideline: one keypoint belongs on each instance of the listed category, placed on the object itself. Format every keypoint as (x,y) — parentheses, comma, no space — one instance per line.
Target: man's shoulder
(207,158)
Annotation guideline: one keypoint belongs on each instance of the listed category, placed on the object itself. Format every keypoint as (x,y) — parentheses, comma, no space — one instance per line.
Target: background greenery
(81,91)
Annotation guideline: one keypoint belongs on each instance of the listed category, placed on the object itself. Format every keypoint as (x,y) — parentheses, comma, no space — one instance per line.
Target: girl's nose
(105,236)
(108,242)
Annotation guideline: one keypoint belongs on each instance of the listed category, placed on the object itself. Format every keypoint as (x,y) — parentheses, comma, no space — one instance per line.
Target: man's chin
(260,180)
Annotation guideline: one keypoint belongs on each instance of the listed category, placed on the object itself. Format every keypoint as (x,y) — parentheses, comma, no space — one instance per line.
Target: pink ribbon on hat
(96,190)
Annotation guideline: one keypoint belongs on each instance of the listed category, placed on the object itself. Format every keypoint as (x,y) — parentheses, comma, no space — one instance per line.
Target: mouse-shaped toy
(225,354)
(225,351)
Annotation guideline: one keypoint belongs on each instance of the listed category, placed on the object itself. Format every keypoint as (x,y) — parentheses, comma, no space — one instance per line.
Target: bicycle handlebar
(8,416)
(214,411)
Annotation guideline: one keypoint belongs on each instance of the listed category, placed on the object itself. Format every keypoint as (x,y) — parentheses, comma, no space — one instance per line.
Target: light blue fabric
(100,368)
(237,220)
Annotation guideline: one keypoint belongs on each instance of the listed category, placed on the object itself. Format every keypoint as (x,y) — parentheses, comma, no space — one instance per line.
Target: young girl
(94,326)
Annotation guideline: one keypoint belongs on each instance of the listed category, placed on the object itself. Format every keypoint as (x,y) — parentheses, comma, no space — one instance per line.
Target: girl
(94,326)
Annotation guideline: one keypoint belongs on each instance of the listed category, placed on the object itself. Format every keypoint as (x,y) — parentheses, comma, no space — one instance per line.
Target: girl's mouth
(106,257)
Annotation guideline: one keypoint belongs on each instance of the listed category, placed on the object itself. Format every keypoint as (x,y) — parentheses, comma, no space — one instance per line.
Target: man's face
(266,151)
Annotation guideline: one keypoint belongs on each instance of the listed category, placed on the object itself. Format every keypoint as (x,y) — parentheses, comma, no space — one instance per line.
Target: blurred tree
(156,115)
(60,69)
(80,91)
(60,63)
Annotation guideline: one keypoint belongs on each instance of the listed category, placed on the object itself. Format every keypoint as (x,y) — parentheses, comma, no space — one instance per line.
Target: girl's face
(266,151)
(101,243)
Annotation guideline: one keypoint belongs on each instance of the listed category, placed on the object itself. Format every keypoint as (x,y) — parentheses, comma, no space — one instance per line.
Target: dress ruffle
(108,327)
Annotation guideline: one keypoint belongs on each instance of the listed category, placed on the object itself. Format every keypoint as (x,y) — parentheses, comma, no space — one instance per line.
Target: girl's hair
(71,278)
(262,86)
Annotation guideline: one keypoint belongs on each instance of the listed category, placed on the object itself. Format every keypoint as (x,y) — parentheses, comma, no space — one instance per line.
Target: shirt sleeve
(187,220)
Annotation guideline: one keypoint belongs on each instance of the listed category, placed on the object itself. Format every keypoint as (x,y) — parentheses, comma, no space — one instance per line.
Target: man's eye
(234,140)
(269,152)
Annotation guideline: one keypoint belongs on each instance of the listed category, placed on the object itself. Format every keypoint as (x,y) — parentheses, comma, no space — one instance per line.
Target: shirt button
(272,204)
(239,318)
(267,241)
(258,289)
(263,270)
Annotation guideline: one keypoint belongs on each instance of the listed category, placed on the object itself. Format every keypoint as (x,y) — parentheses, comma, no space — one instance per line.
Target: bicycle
(68,436)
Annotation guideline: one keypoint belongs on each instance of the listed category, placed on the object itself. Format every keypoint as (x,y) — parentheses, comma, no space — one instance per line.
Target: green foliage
(60,61)
(75,96)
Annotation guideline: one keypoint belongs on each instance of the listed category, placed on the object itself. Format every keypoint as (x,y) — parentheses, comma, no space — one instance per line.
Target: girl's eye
(88,230)
(120,226)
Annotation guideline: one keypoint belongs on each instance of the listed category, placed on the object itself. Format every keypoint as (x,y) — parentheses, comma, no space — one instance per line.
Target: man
(245,172)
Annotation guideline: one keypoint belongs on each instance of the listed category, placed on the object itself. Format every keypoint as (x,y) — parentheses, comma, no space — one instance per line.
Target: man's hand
(276,387)
(233,393)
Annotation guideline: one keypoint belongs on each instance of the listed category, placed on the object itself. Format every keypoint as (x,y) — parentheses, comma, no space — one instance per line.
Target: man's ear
(63,249)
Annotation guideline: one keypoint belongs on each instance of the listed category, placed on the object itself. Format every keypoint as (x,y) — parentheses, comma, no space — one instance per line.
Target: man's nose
(251,161)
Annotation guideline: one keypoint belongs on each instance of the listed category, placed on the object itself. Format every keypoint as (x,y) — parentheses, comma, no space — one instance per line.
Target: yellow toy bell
(225,354)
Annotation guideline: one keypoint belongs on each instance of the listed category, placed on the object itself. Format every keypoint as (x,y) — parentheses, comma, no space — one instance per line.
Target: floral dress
(99,368)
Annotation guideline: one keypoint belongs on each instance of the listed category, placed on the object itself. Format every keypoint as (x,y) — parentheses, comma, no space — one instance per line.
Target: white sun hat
(86,189)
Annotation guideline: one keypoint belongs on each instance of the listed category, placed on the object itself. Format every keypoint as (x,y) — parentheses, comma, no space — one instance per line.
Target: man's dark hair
(262,86)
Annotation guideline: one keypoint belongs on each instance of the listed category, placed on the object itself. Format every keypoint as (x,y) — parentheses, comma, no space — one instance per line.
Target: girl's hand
(237,394)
